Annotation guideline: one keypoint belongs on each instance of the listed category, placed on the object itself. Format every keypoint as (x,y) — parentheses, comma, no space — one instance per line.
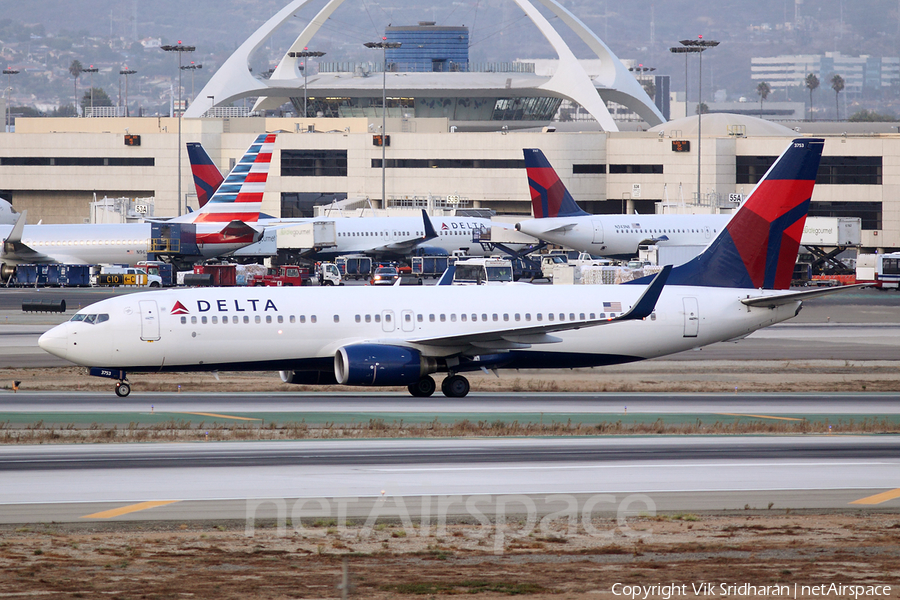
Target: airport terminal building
(467,158)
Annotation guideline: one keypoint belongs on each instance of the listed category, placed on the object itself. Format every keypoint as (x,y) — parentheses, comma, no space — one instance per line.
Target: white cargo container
(664,254)
(314,234)
(832,231)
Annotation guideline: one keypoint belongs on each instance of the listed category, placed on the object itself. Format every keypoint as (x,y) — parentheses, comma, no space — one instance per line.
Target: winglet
(430,232)
(15,236)
(647,302)
(447,277)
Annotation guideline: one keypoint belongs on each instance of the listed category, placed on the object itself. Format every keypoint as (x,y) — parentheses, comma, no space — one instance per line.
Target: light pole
(126,72)
(685,50)
(192,67)
(9,73)
(383,45)
(91,69)
(700,44)
(179,49)
(304,54)
(640,70)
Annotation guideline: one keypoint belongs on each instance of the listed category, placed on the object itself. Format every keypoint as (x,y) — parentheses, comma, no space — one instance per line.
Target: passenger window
(368,318)
(549,316)
(378,318)
(387,318)
(443,317)
(506,316)
(303,318)
(420,317)
(540,317)
(518,317)
(453,318)
(496,317)
(203,320)
(280,319)
(257,319)
(183,320)
(527,316)
(358,319)
(572,316)
(312,318)
(431,318)
(407,317)
(484,316)
(293,319)
(215,320)
(193,320)
(337,318)
(234,319)
(592,316)
(462,317)
(268,318)
(246,319)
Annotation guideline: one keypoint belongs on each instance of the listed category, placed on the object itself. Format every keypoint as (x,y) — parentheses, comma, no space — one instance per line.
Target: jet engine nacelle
(308,377)
(6,271)
(377,364)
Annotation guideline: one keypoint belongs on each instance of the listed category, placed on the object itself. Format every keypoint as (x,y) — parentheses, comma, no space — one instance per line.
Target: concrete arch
(234,80)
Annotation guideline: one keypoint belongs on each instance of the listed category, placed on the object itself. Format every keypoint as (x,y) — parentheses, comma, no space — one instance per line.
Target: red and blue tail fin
(549,197)
(207,177)
(758,247)
(239,197)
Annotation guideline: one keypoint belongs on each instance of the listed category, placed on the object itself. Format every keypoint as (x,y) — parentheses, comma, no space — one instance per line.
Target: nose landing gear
(123,388)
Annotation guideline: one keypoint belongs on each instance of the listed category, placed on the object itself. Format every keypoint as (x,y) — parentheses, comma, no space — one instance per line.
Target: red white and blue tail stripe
(239,197)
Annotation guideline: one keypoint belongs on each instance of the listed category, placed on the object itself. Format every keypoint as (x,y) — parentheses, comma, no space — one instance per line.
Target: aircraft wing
(408,245)
(523,337)
(780,299)
(13,246)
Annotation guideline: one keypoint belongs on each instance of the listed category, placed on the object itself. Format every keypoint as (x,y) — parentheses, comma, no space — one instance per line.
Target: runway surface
(225,480)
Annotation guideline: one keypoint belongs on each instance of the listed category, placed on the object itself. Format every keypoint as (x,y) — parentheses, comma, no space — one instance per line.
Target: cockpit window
(91,318)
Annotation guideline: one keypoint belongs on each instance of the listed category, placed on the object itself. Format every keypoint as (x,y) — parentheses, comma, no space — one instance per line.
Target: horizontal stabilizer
(779,300)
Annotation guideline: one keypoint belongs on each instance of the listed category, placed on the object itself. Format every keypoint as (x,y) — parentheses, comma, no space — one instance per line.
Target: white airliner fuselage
(620,235)
(305,329)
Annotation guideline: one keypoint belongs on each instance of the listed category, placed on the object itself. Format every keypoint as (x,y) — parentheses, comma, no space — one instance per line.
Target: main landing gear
(454,386)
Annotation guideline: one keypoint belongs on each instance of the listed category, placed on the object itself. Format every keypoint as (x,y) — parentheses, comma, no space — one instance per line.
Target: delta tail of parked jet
(400,336)
(559,220)
(129,243)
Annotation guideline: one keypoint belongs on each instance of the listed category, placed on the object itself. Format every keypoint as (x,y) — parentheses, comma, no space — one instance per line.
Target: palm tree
(75,70)
(837,84)
(812,82)
(763,89)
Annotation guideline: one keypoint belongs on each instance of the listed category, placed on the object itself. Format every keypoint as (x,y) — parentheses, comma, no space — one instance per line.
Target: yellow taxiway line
(879,498)
(202,414)
(761,417)
(124,510)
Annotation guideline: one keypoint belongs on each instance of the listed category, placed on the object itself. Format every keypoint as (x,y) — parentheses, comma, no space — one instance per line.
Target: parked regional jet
(395,237)
(559,220)
(395,336)
(130,242)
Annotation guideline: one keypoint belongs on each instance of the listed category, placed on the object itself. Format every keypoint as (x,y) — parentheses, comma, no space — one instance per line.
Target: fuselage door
(706,232)
(691,317)
(387,320)
(407,320)
(149,320)
(598,230)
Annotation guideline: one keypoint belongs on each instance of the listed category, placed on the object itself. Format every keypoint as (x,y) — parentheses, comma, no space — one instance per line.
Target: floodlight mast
(383,45)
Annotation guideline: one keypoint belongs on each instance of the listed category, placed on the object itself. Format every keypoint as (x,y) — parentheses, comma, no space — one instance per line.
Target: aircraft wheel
(122,389)
(423,387)
(455,386)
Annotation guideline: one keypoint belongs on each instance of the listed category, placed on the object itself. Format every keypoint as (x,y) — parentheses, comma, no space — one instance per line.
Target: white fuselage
(281,328)
(386,235)
(99,243)
(620,235)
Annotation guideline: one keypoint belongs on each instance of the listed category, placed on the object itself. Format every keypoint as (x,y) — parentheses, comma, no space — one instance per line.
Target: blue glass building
(428,48)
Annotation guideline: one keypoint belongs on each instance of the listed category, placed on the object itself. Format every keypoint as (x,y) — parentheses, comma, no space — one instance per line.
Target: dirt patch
(645,376)
(217,559)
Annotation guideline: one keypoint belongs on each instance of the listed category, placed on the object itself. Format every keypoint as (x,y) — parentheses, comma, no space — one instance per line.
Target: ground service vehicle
(283,275)
(385,276)
(329,274)
(130,276)
(880,270)
(481,271)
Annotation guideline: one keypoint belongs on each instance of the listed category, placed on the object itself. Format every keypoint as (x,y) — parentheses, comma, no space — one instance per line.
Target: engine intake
(377,364)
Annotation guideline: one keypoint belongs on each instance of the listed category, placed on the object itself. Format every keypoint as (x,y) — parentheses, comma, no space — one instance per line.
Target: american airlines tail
(239,197)
(207,177)
(758,247)
(549,196)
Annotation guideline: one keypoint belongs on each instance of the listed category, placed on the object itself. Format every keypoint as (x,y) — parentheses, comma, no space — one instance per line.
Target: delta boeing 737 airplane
(400,336)
(559,220)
